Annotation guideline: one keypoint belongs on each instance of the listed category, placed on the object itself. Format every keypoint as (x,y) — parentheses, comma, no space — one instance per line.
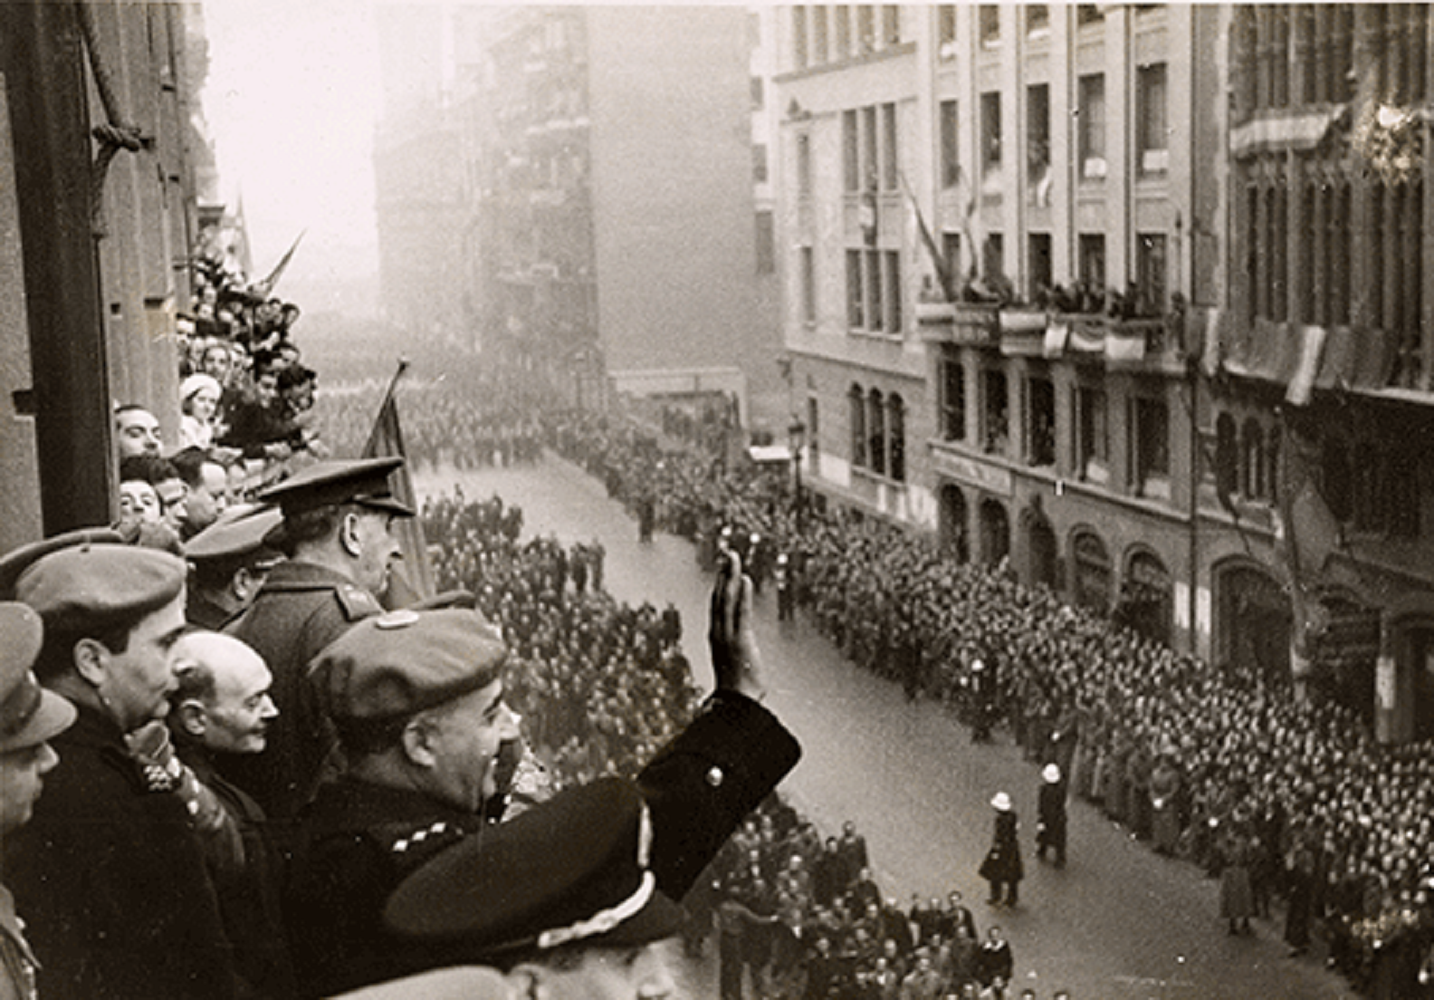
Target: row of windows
(1037,20)
(878,432)
(1303,54)
(869,149)
(1315,286)
(822,33)
(1148,417)
(873,290)
(1246,460)
(1152,131)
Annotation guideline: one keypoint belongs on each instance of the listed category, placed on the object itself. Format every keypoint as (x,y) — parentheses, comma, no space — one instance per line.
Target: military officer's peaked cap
(390,666)
(572,869)
(16,561)
(93,587)
(238,532)
(324,484)
(29,715)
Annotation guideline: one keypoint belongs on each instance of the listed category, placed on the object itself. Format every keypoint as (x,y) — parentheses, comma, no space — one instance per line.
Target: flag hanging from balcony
(1309,348)
(1124,344)
(411,579)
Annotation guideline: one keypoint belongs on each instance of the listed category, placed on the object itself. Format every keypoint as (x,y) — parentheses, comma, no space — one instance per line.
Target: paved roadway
(1118,923)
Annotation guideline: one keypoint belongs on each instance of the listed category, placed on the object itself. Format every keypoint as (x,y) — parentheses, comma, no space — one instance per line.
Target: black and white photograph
(716,501)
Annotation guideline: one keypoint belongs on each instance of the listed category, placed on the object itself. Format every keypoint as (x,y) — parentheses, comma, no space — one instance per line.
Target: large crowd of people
(1290,798)
(1286,801)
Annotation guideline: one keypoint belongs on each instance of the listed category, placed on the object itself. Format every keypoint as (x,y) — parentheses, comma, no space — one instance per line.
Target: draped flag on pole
(1310,534)
(266,286)
(938,258)
(412,578)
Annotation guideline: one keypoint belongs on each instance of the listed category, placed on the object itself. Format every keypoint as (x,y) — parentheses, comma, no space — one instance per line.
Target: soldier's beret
(97,586)
(29,714)
(389,666)
(16,561)
(239,531)
(324,484)
(571,869)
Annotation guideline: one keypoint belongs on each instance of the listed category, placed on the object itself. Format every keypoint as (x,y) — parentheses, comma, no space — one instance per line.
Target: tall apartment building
(615,198)
(1052,297)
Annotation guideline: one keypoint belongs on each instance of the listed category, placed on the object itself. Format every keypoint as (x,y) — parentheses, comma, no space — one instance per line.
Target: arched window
(896,436)
(876,432)
(1227,458)
(1092,573)
(856,406)
(1252,460)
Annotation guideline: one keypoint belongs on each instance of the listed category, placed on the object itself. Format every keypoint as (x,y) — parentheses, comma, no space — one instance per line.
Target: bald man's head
(223,699)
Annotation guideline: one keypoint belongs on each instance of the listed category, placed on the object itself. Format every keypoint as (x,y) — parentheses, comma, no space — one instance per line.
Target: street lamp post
(796,437)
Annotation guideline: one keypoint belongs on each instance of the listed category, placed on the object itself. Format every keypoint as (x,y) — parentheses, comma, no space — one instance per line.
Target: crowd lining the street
(1280,798)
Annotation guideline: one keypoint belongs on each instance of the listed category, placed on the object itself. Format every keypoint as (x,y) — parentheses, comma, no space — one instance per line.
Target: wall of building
(672,193)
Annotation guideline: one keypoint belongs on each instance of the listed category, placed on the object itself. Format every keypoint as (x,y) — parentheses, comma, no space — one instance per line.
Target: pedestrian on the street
(1237,898)
(995,964)
(1165,785)
(1002,867)
(1051,815)
(982,692)
(782,576)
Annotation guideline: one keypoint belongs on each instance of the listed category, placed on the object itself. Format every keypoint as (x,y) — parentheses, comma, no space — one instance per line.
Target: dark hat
(16,561)
(325,484)
(572,869)
(98,586)
(29,715)
(390,666)
(239,531)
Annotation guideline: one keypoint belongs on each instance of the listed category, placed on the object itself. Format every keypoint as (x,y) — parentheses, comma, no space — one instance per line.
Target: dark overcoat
(117,901)
(359,841)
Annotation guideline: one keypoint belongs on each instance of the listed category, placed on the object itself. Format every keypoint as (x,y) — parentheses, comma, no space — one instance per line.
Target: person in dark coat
(1051,815)
(995,961)
(1299,912)
(222,706)
(336,534)
(1002,867)
(109,873)
(30,717)
(418,701)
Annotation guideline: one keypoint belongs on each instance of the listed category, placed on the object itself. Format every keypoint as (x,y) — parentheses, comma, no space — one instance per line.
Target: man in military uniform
(230,563)
(30,717)
(109,872)
(417,700)
(336,535)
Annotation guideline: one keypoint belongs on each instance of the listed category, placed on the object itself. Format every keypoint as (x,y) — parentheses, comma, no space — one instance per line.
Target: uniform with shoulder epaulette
(301,609)
(360,839)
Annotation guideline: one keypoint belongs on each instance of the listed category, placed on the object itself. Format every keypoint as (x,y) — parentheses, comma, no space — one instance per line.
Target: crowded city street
(1117,922)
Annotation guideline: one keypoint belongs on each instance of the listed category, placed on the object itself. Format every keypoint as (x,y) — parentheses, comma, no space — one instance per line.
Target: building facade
(1052,297)
(615,199)
(100,169)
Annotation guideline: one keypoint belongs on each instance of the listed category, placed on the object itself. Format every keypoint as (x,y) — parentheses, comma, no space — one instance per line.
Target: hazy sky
(292,97)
